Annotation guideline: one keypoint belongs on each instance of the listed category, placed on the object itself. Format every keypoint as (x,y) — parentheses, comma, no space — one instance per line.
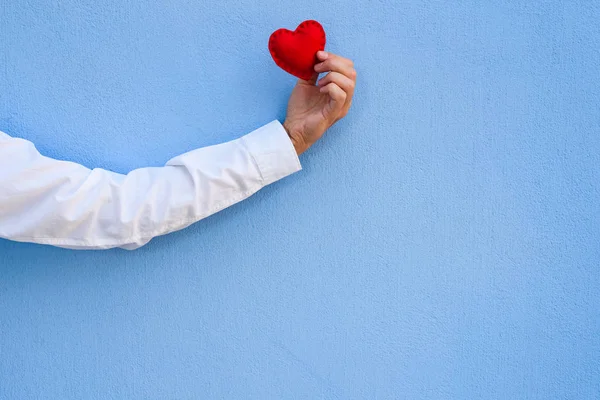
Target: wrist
(296,139)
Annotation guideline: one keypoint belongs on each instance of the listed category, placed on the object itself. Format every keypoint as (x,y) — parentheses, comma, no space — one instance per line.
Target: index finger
(332,62)
(324,55)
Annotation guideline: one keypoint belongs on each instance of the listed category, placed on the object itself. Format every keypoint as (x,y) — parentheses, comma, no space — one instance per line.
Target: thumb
(311,81)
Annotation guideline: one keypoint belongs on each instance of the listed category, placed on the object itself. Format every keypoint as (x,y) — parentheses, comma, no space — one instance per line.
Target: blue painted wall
(442,242)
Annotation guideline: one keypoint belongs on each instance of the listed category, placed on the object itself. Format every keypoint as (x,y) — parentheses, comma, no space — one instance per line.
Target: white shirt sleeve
(65,204)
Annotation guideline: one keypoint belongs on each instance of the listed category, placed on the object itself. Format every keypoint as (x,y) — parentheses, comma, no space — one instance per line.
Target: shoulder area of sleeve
(273,151)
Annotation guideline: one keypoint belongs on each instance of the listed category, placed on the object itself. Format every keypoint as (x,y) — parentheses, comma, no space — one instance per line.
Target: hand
(312,109)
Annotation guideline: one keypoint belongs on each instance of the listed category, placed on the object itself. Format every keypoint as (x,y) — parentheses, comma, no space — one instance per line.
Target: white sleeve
(65,204)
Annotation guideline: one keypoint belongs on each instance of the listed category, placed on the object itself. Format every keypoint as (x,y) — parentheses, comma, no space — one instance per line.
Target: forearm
(65,204)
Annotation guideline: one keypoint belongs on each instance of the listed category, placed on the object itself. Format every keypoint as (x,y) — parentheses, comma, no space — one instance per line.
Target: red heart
(295,52)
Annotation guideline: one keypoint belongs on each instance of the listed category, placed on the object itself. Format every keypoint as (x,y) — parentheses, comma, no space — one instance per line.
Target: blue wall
(442,242)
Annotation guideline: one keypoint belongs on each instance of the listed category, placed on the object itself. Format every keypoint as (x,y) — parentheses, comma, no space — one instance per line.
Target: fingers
(341,80)
(324,55)
(333,62)
(338,99)
(340,72)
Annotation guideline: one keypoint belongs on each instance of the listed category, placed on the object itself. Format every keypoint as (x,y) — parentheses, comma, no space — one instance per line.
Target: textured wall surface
(442,242)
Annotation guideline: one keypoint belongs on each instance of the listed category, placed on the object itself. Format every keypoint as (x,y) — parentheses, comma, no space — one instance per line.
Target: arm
(61,203)
(64,204)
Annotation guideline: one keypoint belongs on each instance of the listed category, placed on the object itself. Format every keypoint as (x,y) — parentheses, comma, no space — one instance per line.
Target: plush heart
(295,52)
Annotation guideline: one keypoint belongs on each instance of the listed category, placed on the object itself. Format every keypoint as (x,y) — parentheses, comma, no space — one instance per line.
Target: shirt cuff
(273,152)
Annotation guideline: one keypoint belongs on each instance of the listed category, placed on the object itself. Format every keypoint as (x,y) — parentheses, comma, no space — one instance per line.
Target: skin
(315,106)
